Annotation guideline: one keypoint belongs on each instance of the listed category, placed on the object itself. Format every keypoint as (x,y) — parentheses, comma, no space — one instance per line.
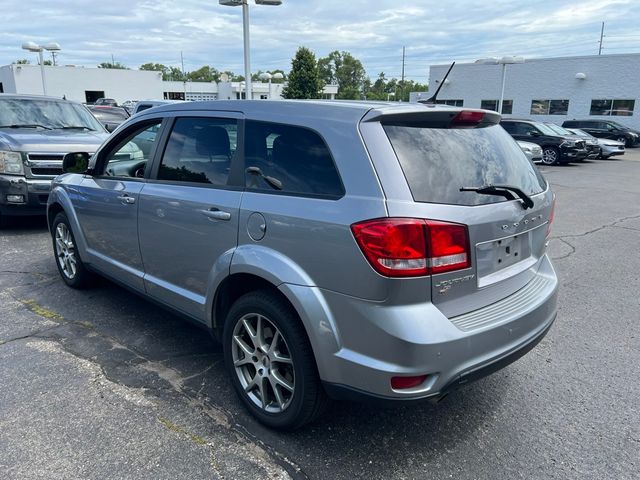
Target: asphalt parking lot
(101,384)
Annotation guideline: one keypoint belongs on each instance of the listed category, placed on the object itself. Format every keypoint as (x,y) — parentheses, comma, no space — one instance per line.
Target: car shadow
(19,225)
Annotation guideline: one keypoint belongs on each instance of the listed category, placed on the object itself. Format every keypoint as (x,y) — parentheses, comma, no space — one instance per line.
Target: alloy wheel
(549,156)
(263,363)
(66,251)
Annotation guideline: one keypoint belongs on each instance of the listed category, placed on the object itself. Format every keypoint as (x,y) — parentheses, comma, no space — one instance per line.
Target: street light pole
(44,83)
(34,47)
(504,76)
(245,28)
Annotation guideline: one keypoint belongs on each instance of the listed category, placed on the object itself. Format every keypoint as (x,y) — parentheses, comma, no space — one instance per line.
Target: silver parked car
(532,151)
(370,251)
(606,147)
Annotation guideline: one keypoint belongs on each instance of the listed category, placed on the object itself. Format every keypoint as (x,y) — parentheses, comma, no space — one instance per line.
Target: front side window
(549,107)
(289,159)
(199,150)
(612,107)
(130,156)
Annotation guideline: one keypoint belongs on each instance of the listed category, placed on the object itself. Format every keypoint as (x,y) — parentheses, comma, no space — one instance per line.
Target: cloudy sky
(139,31)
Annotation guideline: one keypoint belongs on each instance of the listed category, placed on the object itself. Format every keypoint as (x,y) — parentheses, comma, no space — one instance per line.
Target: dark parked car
(35,133)
(110,117)
(606,129)
(556,148)
(107,102)
(591,143)
(361,250)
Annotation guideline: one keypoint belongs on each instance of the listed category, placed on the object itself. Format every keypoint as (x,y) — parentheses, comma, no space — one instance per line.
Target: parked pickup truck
(35,133)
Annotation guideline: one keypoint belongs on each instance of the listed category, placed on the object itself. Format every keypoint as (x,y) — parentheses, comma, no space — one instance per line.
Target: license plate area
(503,258)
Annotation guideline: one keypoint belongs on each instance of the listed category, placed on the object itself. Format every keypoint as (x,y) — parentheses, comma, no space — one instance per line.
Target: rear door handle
(216,214)
(126,199)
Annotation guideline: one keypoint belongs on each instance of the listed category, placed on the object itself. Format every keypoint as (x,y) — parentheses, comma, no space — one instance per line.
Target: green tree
(204,74)
(346,71)
(304,81)
(116,65)
(47,62)
(22,61)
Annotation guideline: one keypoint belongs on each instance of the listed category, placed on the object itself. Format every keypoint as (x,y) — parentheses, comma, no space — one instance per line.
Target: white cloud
(139,31)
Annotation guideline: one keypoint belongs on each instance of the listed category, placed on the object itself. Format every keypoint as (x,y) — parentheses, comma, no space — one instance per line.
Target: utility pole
(113,62)
(601,37)
(184,78)
(402,81)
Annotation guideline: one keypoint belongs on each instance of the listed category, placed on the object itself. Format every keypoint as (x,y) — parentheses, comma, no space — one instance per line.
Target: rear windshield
(438,162)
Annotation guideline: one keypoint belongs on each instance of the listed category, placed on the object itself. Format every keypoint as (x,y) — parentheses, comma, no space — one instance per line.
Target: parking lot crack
(602,227)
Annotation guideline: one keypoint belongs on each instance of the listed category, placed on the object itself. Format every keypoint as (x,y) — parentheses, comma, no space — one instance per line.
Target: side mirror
(534,133)
(77,162)
(110,127)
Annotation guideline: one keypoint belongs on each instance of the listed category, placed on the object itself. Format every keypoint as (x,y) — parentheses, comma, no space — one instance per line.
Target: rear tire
(270,362)
(550,156)
(70,266)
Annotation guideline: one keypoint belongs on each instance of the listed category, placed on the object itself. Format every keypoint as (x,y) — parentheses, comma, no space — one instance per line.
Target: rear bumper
(376,342)
(34,195)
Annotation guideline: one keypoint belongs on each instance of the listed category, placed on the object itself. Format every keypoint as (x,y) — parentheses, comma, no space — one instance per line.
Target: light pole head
(31,46)
(275,3)
(52,47)
(508,60)
(231,3)
(277,76)
(266,76)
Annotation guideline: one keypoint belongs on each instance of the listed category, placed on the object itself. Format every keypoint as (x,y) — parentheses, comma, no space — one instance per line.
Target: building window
(264,97)
(507,106)
(451,103)
(1,88)
(612,107)
(549,107)
(174,95)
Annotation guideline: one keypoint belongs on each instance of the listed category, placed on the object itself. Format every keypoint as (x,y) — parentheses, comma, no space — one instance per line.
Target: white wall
(72,82)
(607,77)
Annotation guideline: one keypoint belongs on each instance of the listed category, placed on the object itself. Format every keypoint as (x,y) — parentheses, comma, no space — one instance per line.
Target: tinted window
(438,162)
(296,158)
(199,150)
(612,107)
(507,106)
(129,157)
(549,107)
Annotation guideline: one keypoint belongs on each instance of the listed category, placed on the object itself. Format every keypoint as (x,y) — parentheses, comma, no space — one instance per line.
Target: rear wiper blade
(25,125)
(506,191)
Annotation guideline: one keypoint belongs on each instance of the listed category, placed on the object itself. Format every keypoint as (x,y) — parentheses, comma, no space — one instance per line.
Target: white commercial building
(88,84)
(547,89)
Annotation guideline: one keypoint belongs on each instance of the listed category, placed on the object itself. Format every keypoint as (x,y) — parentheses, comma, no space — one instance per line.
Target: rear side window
(199,150)
(289,159)
(438,162)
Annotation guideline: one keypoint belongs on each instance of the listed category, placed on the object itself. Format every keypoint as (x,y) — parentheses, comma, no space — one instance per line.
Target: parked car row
(559,145)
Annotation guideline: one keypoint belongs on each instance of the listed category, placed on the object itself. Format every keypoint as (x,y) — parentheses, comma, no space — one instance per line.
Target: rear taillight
(551,215)
(410,247)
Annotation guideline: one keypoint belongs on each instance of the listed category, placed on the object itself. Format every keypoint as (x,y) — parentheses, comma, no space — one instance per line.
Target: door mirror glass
(110,127)
(77,162)
(534,133)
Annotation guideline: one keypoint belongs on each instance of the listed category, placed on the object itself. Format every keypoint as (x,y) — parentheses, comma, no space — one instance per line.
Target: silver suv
(348,250)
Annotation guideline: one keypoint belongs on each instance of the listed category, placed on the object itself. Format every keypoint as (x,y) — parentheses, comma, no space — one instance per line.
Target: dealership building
(88,84)
(548,89)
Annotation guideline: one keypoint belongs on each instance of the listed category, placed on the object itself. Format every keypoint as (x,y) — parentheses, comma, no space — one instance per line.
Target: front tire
(70,267)
(270,361)
(550,155)
(622,140)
